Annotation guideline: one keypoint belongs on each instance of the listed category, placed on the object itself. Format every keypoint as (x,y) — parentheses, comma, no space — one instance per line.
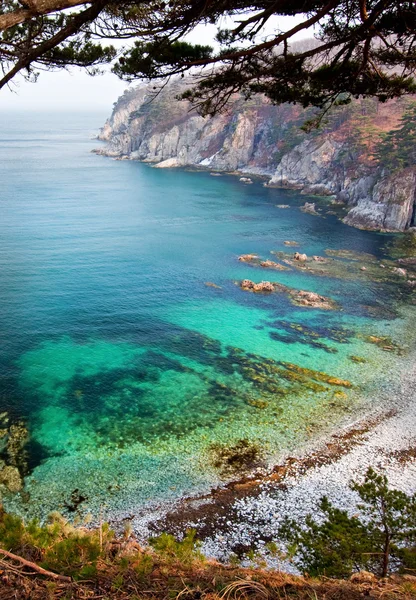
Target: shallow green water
(138,382)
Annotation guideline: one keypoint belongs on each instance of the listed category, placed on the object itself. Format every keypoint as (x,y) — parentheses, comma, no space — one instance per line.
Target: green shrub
(379,539)
(12,532)
(143,566)
(185,551)
(57,545)
(75,556)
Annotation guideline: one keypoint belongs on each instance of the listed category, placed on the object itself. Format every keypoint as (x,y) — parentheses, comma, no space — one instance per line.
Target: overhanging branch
(72,27)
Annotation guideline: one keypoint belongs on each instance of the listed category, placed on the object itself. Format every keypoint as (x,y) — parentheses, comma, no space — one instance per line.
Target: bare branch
(35,567)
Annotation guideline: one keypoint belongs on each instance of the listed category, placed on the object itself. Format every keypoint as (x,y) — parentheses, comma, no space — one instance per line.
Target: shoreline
(225,501)
(261,175)
(244,514)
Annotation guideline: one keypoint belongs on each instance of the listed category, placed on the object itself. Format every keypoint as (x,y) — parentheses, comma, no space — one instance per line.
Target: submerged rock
(399,271)
(344,266)
(269,264)
(351,255)
(4,418)
(18,438)
(357,359)
(384,342)
(304,298)
(240,457)
(11,478)
(291,243)
(408,261)
(213,285)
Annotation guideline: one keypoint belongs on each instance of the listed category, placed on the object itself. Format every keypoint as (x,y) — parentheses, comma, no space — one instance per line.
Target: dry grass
(126,579)
(244,588)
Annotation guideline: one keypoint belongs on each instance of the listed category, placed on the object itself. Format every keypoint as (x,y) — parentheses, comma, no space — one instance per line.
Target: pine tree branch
(36,9)
(72,27)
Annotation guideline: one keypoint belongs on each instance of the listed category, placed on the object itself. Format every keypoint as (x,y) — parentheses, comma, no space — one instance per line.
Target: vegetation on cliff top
(397,149)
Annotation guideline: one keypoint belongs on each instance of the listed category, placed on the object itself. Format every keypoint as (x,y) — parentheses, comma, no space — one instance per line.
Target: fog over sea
(137,381)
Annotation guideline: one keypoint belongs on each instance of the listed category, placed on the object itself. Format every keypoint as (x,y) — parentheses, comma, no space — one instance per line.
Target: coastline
(88,468)
(243,515)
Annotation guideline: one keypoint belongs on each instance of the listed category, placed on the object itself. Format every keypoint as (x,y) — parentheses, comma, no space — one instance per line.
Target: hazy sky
(64,91)
(75,90)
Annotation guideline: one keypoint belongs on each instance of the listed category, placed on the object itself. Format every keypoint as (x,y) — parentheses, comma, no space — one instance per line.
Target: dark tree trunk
(386,555)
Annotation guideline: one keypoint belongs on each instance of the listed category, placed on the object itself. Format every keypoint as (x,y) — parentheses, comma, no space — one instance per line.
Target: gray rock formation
(390,205)
(166,132)
(308,167)
(257,138)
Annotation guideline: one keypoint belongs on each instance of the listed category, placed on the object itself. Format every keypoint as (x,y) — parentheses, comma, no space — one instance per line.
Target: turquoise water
(136,381)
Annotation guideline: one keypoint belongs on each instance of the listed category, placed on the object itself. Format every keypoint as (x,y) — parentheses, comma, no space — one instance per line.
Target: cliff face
(389,205)
(166,132)
(256,138)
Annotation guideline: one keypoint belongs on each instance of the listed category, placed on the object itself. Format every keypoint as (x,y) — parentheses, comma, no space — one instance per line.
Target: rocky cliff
(254,137)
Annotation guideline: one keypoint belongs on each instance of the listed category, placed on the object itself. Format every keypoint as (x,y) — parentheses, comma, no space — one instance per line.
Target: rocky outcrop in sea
(254,137)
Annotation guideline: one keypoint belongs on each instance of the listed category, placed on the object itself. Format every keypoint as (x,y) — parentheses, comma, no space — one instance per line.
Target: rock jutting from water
(300,257)
(298,297)
(256,261)
(309,207)
(304,298)
(263,286)
(270,264)
(247,257)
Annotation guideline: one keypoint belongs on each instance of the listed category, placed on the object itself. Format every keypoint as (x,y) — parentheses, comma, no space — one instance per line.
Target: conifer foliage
(361,47)
(397,150)
(380,537)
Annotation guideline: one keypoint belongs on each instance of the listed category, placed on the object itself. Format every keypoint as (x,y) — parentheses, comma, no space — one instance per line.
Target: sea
(137,368)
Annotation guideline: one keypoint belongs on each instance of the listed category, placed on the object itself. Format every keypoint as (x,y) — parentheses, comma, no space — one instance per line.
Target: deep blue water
(126,368)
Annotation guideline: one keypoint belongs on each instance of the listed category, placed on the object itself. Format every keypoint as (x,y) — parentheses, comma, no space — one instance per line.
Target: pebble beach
(383,437)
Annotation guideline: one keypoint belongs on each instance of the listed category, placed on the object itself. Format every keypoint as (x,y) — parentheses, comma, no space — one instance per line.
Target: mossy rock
(243,456)
(351,255)
(11,478)
(357,359)
(384,343)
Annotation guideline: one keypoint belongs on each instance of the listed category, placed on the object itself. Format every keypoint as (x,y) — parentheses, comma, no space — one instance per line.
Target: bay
(139,383)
